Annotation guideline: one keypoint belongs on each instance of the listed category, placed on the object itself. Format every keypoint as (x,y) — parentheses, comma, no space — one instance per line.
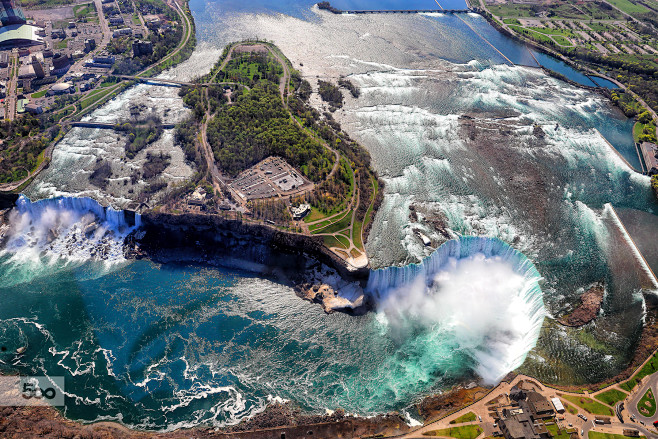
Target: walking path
(500,394)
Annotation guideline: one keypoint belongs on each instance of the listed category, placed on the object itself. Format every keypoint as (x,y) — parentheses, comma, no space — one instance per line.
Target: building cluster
(527,415)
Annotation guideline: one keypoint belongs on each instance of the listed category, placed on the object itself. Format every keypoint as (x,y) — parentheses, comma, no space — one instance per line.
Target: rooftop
(19,34)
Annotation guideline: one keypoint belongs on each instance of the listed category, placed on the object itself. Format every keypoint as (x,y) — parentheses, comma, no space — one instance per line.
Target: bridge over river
(105,125)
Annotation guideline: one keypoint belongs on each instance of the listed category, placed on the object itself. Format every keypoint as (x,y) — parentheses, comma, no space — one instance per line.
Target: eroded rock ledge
(326,296)
(590,305)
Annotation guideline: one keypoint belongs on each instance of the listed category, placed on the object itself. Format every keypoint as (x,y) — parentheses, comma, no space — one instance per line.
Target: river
(514,164)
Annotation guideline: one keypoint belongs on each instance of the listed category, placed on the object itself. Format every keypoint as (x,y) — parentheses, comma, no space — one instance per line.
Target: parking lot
(272,177)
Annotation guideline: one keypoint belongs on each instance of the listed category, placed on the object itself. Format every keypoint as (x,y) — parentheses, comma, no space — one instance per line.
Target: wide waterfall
(69,228)
(481,290)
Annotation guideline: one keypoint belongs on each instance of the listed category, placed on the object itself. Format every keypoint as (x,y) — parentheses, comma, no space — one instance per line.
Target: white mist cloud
(492,311)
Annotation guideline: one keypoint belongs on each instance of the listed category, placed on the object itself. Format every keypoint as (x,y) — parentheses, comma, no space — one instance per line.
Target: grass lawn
(611,397)
(647,405)
(571,409)
(628,7)
(39,94)
(638,128)
(463,432)
(337,226)
(330,241)
(557,433)
(588,404)
(93,98)
(468,417)
(648,369)
(83,10)
(597,435)
(61,44)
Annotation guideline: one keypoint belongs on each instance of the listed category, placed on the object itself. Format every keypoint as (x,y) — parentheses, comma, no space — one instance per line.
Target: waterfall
(67,227)
(480,291)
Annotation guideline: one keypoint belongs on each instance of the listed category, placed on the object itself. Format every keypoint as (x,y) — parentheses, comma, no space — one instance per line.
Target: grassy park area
(647,405)
(462,432)
(468,417)
(588,404)
(611,397)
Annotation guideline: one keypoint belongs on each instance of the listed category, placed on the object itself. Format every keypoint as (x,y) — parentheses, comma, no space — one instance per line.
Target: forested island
(253,106)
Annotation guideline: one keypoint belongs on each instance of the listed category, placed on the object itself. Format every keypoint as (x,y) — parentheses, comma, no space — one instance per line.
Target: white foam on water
(479,290)
(69,229)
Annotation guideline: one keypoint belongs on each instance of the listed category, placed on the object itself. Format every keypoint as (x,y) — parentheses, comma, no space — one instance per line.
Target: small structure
(198,197)
(58,33)
(539,406)
(301,211)
(117,21)
(650,156)
(4,59)
(558,405)
(518,424)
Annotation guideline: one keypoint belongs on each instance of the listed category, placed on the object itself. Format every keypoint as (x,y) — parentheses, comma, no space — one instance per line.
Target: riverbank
(277,421)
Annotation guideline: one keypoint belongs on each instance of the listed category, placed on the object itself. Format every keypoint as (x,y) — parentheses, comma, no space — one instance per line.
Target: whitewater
(521,222)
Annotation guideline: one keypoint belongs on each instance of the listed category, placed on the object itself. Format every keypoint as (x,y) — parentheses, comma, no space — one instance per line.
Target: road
(650,382)
(481,407)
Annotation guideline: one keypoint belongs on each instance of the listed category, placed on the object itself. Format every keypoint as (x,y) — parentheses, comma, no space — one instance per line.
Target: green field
(463,432)
(343,224)
(468,417)
(39,94)
(611,397)
(628,7)
(93,98)
(588,404)
(571,409)
(647,405)
(81,11)
(331,241)
(61,45)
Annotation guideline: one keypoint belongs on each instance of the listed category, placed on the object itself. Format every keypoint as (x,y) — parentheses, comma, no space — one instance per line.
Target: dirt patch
(52,14)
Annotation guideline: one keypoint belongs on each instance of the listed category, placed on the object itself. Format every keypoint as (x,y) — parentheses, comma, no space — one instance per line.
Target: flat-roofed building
(649,154)
(558,405)
(17,35)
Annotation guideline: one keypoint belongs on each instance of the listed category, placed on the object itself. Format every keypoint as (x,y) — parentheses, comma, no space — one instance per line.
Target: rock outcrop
(587,310)
(329,298)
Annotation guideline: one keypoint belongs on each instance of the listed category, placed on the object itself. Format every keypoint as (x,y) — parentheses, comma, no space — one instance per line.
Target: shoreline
(278,239)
